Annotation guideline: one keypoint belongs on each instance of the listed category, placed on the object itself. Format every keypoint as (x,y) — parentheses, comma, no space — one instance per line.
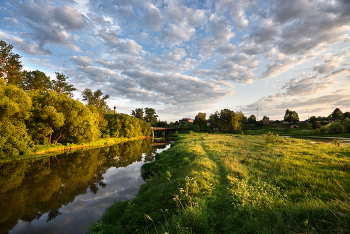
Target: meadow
(226,183)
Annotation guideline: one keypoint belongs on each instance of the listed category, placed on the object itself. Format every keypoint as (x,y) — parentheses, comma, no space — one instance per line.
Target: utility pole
(257,114)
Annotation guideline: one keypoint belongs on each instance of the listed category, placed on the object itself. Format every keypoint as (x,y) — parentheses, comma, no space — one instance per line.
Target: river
(67,192)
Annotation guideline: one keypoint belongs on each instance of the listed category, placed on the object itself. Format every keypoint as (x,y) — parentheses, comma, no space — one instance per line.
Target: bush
(317,130)
(347,125)
(335,128)
(323,129)
(316,124)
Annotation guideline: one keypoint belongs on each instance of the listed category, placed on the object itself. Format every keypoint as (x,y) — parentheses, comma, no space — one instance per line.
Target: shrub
(316,124)
(347,125)
(317,130)
(335,128)
(323,129)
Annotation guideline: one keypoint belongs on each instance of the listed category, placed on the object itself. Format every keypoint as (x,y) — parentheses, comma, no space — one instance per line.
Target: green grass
(225,183)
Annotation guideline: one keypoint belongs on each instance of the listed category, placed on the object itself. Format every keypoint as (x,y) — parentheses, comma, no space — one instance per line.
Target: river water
(67,192)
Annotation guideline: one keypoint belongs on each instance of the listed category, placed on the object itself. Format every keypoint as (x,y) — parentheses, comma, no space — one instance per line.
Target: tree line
(35,110)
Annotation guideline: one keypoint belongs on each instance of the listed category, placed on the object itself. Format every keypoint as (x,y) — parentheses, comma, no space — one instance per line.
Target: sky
(184,57)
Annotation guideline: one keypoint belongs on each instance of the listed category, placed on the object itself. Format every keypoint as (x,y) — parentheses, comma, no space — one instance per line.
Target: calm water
(68,192)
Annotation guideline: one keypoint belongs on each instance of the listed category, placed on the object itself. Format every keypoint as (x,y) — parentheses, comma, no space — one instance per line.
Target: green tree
(251,119)
(137,113)
(291,116)
(96,99)
(337,114)
(58,118)
(335,128)
(313,119)
(10,65)
(15,106)
(60,85)
(346,115)
(36,80)
(200,120)
(347,125)
(229,121)
(150,115)
(214,120)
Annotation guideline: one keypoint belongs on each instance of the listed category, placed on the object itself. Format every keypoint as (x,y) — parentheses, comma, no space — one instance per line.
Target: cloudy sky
(184,57)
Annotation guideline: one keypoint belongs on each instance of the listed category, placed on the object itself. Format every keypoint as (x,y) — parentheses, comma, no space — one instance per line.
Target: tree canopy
(10,65)
(60,85)
(291,116)
(137,113)
(36,80)
(150,115)
(337,114)
(251,119)
(96,99)
(200,120)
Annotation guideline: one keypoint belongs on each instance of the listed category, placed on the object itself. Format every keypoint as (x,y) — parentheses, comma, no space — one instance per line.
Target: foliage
(96,99)
(120,125)
(251,119)
(200,120)
(10,65)
(59,118)
(214,120)
(316,124)
(335,128)
(323,129)
(36,80)
(15,106)
(346,115)
(60,85)
(337,114)
(313,119)
(150,115)
(347,125)
(291,116)
(137,113)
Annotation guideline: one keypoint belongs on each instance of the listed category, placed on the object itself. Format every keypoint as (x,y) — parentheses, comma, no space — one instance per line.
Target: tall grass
(225,183)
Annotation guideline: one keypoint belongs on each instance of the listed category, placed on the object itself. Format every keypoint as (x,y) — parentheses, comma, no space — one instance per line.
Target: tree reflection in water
(30,189)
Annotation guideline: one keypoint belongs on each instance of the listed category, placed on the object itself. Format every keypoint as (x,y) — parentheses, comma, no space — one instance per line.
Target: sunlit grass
(225,183)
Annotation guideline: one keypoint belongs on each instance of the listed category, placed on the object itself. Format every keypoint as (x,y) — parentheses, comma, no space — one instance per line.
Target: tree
(10,66)
(150,115)
(313,119)
(36,80)
(200,120)
(60,85)
(337,114)
(15,106)
(251,119)
(137,113)
(346,115)
(58,118)
(291,116)
(214,120)
(347,125)
(96,99)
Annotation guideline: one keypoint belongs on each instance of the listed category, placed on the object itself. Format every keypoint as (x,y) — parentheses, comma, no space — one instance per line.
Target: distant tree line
(340,122)
(35,110)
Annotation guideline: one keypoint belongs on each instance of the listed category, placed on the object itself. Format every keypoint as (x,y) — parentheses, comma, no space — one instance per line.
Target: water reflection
(67,192)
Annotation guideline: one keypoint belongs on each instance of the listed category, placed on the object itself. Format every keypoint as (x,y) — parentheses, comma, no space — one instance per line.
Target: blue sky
(185,57)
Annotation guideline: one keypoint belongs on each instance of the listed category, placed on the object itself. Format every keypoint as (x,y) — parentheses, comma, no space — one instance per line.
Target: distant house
(185,120)
(325,119)
(266,121)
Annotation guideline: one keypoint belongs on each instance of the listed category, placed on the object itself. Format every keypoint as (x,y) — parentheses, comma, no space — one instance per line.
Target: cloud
(82,60)
(25,46)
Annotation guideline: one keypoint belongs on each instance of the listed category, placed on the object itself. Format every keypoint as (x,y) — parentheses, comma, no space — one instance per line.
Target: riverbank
(40,151)
(221,183)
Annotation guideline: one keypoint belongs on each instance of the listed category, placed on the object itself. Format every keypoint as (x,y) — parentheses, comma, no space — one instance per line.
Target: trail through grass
(225,183)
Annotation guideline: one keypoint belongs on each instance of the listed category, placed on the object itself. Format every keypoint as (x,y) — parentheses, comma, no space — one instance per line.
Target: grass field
(225,183)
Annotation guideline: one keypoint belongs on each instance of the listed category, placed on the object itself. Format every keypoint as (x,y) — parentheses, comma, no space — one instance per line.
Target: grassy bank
(304,130)
(39,151)
(220,183)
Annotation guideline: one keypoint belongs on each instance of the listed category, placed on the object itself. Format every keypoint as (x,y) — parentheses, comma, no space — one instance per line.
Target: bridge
(164,130)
